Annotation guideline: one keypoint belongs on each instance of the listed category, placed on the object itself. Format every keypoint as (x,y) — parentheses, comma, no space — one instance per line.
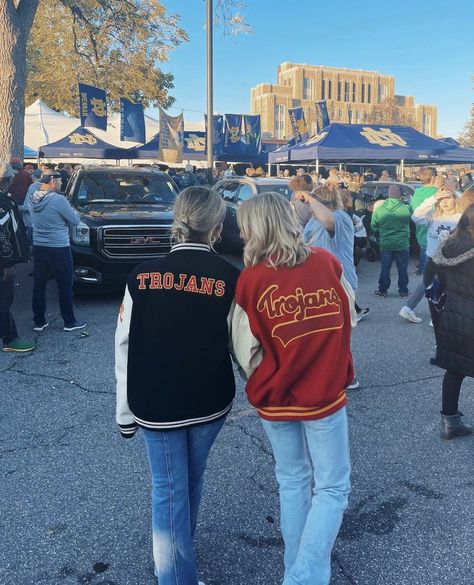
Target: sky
(426,45)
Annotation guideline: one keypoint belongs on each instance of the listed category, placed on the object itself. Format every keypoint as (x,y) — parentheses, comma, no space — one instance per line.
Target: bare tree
(16,20)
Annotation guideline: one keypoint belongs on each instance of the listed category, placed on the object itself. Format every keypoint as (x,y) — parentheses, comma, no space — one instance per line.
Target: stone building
(349,93)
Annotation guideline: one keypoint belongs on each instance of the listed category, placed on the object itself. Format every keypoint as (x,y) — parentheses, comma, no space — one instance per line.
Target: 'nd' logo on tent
(383,137)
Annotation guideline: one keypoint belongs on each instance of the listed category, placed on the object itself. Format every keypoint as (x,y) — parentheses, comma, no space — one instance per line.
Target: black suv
(126,216)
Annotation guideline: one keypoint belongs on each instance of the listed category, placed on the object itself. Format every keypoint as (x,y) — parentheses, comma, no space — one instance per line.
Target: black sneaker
(404,295)
(381,294)
(353,385)
(362,313)
(74,326)
(41,327)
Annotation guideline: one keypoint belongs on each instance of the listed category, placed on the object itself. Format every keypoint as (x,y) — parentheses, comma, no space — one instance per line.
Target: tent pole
(269,169)
(278,170)
(317,166)
(340,167)
(402,169)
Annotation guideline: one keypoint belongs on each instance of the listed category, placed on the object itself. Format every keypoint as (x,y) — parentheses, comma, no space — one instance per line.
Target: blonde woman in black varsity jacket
(174,372)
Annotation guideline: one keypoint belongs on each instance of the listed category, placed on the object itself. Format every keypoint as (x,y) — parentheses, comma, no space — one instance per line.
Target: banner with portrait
(171,141)
(298,124)
(322,115)
(252,137)
(93,106)
(132,122)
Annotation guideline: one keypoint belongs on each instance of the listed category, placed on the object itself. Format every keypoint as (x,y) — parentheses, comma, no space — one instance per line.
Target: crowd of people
(35,218)
(285,320)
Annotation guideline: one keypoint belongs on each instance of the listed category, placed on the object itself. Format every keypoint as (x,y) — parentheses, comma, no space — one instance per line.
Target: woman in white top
(441,214)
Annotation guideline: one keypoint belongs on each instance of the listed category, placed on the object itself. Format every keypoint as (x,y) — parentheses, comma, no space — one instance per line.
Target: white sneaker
(431,324)
(409,315)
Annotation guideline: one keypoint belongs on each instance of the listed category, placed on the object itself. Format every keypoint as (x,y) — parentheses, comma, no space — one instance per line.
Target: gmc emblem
(142,241)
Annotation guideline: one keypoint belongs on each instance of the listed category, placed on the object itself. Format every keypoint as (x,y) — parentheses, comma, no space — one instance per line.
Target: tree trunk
(15,27)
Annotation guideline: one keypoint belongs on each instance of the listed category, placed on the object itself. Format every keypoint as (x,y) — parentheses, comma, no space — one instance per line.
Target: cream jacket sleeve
(247,350)
(351,298)
(124,416)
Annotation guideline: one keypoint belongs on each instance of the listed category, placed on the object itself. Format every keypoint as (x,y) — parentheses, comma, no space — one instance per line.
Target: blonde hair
(198,215)
(329,195)
(271,232)
(450,192)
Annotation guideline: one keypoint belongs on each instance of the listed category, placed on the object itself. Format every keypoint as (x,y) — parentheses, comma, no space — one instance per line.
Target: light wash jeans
(311,513)
(177,462)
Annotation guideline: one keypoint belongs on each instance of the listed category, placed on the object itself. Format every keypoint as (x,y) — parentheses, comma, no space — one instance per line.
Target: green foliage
(114,44)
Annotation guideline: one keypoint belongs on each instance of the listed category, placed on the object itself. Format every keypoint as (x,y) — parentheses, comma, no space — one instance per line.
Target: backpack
(14,247)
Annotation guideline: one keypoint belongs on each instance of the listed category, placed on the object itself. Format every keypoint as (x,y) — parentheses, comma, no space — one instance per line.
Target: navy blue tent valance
(370,143)
(81,143)
(195,149)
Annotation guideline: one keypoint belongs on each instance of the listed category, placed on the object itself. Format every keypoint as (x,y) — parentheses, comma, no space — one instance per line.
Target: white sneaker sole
(409,318)
(75,328)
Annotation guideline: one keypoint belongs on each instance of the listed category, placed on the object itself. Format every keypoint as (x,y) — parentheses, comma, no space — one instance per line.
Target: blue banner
(218,125)
(93,107)
(298,124)
(322,116)
(132,122)
(233,134)
(252,134)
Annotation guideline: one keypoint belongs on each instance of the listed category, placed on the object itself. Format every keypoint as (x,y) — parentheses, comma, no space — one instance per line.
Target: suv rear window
(120,188)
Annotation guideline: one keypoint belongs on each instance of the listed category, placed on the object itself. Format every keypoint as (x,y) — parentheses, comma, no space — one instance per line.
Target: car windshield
(120,188)
(276,188)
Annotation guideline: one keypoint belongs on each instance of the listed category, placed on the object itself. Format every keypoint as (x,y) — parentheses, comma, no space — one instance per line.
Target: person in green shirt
(428,189)
(391,223)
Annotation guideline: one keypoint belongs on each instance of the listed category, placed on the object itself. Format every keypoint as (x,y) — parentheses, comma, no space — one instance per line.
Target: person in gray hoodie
(51,215)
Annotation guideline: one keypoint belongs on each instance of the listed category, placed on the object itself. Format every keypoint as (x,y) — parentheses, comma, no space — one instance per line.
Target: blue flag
(252,135)
(322,116)
(93,106)
(298,124)
(218,122)
(233,134)
(132,122)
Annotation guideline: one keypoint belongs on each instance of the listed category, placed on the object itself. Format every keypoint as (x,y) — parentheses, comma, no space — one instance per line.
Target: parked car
(126,216)
(237,189)
(373,190)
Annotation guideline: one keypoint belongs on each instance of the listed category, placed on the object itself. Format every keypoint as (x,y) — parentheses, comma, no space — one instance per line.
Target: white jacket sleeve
(351,298)
(124,416)
(247,350)
(423,214)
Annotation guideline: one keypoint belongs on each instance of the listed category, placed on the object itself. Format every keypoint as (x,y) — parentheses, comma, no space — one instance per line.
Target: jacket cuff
(128,431)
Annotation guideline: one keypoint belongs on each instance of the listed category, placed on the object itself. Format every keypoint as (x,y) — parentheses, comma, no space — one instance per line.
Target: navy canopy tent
(81,143)
(195,149)
(29,152)
(358,143)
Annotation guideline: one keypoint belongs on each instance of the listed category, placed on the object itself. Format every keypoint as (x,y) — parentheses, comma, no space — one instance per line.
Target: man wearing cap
(21,181)
(12,250)
(51,216)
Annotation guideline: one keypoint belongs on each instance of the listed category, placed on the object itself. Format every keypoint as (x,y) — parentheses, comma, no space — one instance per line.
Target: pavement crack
(59,379)
(257,441)
(401,383)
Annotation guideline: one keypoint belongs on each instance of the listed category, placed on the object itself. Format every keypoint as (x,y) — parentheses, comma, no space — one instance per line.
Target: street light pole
(210,107)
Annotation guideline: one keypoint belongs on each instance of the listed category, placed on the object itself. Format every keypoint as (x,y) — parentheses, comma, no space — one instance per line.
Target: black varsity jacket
(172,360)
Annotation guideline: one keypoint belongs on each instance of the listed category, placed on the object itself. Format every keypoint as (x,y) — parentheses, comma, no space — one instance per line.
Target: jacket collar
(440,259)
(190,246)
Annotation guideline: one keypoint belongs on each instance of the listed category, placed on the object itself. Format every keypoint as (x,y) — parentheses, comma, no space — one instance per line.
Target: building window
(382,92)
(279,121)
(426,123)
(307,88)
(346,91)
(362,95)
(323,89)
(339,91)
(341,114)
(353,91)
(330,89)
(369,93)
(357,117)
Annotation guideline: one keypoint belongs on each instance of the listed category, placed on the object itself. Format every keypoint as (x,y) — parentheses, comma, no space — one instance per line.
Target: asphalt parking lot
(75,497)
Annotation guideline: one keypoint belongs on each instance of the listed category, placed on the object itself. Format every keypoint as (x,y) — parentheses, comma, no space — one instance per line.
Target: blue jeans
(57,262)
(177,462)
(401,258)
(311,513)
(422,260)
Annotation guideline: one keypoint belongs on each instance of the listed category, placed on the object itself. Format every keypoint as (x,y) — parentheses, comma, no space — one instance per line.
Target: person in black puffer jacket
(454,265)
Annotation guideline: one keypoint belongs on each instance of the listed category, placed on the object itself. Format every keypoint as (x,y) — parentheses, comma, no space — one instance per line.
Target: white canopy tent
(44,126)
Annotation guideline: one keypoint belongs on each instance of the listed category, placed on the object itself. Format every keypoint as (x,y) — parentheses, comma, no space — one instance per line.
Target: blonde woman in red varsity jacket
(174,373)
(291,334)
